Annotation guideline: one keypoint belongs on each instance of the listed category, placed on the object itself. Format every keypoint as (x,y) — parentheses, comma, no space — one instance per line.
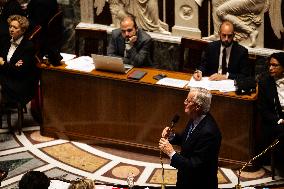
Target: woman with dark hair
(34,180)
(271,104)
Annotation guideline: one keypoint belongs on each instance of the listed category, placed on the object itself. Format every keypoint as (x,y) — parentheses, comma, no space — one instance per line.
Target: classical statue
(246,16)
(145,11)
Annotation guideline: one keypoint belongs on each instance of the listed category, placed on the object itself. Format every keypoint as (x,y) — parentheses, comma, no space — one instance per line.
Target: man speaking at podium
(131,43)
(197,162)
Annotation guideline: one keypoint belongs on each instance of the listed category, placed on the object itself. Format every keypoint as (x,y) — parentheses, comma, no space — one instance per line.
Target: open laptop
(110,63)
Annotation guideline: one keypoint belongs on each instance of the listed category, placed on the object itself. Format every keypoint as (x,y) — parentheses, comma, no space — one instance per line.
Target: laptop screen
(110,63)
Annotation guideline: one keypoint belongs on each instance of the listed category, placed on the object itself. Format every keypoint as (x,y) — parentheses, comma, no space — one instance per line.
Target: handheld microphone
(174,121)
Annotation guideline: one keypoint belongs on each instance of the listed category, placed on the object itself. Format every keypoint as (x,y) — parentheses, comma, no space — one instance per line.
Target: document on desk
(82,63)
(173,82)
(223,85)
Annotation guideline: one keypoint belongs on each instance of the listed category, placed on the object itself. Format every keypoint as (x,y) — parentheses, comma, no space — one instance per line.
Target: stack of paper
(82,63)
(223,85)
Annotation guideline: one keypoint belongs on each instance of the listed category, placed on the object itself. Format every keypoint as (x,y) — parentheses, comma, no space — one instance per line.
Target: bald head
(226,33)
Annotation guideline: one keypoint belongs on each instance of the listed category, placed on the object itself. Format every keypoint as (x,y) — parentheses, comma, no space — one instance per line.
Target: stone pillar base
(186,31)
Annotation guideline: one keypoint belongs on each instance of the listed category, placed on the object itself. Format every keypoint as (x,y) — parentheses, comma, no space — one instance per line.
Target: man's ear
(198,108)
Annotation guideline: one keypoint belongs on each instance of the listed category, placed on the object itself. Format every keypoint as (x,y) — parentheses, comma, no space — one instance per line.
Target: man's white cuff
(172,154)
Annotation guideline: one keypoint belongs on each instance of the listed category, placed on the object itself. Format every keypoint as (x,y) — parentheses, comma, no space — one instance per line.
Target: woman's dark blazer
(18,83)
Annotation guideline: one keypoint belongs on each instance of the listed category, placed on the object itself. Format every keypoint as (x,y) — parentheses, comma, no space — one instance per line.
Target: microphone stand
(271,146)
(163,185)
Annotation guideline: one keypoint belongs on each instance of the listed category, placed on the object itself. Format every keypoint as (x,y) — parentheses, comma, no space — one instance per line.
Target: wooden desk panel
(109,107)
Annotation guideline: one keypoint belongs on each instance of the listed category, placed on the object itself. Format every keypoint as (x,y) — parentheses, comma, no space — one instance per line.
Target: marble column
(186,19)
(87,11)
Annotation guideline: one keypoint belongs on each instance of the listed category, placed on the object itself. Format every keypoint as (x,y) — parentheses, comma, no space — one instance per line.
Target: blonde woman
(18,71)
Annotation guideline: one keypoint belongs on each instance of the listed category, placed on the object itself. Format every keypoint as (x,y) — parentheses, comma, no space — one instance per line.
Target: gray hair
(202,98)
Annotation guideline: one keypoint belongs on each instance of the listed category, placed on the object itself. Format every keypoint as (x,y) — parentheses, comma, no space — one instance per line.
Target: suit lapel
(216,56)
(233,54)
(195,133)
(6,49)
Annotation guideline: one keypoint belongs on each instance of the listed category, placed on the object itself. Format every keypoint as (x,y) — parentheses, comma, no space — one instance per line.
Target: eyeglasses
(128,30)
(187,101)
(274,65)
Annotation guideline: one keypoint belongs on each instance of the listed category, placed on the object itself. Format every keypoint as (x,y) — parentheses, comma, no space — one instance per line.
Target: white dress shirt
(13,47)
(280,91)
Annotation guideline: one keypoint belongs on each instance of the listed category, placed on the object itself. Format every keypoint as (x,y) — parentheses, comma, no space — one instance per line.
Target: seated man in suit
(200,143)
(131,43)
(225,58)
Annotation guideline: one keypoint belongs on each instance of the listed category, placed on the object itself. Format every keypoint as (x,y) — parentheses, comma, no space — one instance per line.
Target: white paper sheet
(223,85)
(82,63)
(173,82)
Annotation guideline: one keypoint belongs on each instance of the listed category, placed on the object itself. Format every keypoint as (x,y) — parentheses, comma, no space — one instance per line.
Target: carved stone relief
(186,19)
(145,11)
(186,12)
(247,17)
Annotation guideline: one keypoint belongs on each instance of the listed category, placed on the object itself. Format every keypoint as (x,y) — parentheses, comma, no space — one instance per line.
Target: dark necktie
(224,62)
(190,127)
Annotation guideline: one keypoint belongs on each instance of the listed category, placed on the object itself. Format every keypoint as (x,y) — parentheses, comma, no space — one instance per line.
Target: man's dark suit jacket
(197,162)
(41,11)
(18,83)
(238,65)
(139,55)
